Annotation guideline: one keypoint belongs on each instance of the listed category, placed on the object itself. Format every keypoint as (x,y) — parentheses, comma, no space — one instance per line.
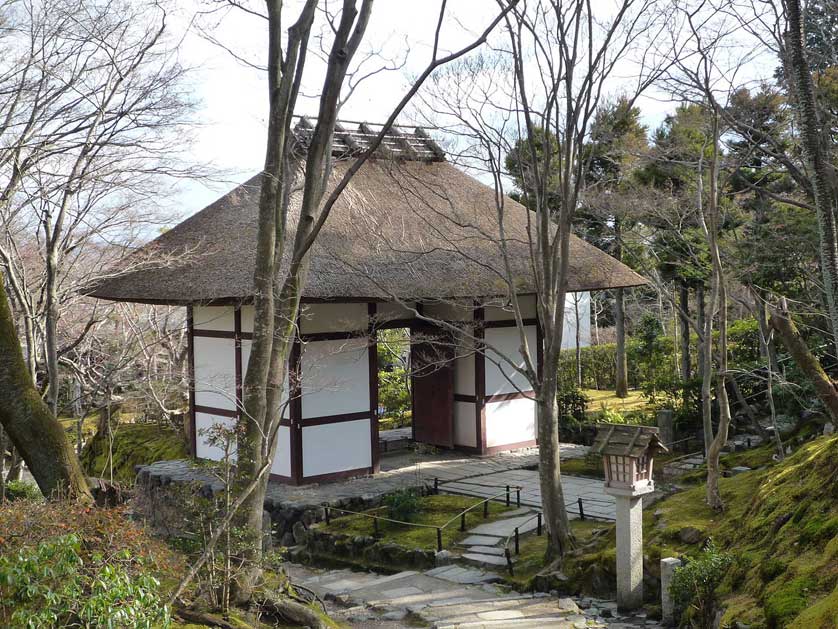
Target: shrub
(394,396)
(51,585)
(694,586)
(403,505)
(21,489)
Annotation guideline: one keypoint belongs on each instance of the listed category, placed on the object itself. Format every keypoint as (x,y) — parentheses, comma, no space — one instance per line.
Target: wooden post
(518,497)
(485,509)
(507,495)
(438,539)
(463,521)
(375,527)
(538,528)
(508,561)
(517,542)
(326,513)
(581,509)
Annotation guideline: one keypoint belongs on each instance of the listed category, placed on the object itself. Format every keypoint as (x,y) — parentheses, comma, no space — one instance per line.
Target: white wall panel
(336,447)
(465,424)
(335,377)
(247,318)
(450,311)
(215,372)
(464,367)
(387,311)
(500,375)
(203,423)
(502,312)
(570,323)
(338,317)
(509,422)
(213,318)
(282,459)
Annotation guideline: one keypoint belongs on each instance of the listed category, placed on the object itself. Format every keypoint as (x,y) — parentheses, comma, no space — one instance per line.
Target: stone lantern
(628,453)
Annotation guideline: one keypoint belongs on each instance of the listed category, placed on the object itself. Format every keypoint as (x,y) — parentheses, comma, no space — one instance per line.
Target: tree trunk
(816,142)
(577,341)
(621,384)
(549,468)
(711,230)
(35,432)
(824,387)
(684,325)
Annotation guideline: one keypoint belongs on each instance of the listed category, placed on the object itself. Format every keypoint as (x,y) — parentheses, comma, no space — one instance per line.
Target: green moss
(435,511)
(783,603)
(823,614)
(133,444)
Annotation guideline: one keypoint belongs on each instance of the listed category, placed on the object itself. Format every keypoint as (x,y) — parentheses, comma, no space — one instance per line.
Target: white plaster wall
(387,311)
(465,424)
(337,317)
(215,372)
(335,377)
(282,459)
(511,421)
(449,311)
(501,312)
(500,375)
(464,367)
(570,323)
(213,318)
(336,447)
(247,318)
(205,422)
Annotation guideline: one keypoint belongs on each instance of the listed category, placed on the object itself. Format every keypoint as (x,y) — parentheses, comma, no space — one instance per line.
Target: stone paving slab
(477,540)
(485,560)
(595,502)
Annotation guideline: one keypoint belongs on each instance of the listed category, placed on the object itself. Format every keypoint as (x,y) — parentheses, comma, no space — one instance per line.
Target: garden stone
(443,558)
(568,605)
(828,428)
(396,614)
(287,540)
(299,532)
(690,535)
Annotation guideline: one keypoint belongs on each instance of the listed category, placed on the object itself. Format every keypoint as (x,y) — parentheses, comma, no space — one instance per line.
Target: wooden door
(432,369)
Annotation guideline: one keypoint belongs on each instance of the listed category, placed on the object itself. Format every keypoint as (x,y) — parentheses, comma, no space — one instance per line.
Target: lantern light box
(628,453)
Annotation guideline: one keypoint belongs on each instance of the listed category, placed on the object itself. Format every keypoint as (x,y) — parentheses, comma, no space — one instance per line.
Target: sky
(232,97)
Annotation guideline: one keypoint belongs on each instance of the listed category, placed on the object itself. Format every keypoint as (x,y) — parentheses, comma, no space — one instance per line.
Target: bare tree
(285,238)
(534,98)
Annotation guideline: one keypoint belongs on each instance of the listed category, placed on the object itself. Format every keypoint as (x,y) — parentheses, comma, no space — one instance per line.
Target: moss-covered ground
(608,399)
(780,524)
(435,511)
(133,444)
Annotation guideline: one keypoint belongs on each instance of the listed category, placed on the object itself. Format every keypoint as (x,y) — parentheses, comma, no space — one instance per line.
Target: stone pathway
(407,469)
(452,598)
(596,504)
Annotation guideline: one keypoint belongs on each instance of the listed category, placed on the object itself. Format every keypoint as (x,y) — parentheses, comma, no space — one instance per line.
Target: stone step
(487,550)
(481,540)
(462,575)
(512,623)
(482,559)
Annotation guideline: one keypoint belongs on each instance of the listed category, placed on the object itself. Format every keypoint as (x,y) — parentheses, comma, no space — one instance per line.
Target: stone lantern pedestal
(628,457)
(629,545)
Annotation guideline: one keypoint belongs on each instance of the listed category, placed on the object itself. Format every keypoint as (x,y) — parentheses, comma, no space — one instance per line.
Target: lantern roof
(622,440)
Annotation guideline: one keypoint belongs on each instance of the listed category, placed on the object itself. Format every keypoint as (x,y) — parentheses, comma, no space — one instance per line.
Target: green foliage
(694,586)
(21,489)
(394,397)
(404,505)
(51,585)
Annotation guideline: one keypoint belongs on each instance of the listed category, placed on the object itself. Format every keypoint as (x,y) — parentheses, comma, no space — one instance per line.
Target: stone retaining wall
(159,498)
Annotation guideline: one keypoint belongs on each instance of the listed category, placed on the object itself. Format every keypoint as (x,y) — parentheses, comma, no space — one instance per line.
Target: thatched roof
(414,228)
(633,441)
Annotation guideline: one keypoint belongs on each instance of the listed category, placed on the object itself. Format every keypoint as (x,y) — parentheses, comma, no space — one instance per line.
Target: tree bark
(35,432)
(621,377)
(577,341)
(825,388)
(815,139)
(711,230)
(684,325)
